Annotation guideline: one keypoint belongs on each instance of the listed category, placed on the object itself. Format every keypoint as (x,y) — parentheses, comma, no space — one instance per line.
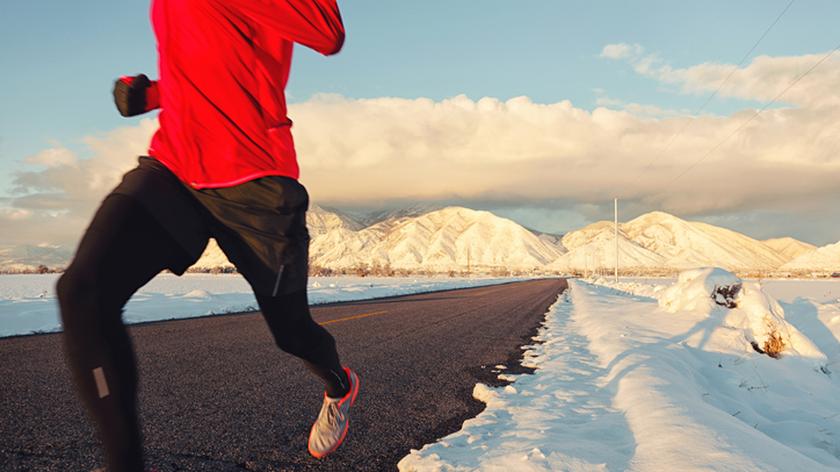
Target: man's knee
(76,293)
(291,324)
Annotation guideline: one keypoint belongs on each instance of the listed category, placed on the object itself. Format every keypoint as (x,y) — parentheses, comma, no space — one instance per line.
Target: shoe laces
(333,415)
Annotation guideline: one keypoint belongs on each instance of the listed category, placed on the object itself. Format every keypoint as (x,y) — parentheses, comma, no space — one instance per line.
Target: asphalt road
(217,395)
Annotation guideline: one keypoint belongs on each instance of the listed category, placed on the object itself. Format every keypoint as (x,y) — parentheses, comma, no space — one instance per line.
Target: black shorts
(260,225)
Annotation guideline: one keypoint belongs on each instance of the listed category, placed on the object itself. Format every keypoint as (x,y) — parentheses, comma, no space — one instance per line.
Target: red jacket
(224,65)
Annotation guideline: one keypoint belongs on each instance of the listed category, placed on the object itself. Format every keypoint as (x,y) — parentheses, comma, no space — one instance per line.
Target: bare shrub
(774,345)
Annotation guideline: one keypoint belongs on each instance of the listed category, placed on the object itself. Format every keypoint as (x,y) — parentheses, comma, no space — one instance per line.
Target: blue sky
(59,58)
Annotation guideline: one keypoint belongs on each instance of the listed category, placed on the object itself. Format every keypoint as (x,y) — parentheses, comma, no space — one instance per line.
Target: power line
(742,61)
(720,86)
(755,115)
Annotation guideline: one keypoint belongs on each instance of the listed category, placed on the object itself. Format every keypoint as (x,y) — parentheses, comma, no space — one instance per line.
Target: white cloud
(383,148)
(621,51)
(354,151)
(638,109)
(605,101)
(765,78)
(55,194)
(761,80)
(52,157)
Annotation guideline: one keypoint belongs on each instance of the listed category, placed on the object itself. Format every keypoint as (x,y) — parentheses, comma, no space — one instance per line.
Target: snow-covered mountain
(551,239)
(686,244)
(660,240)
(593,247)
(27,258)
(460,239)
(213,258)
(826,258)
(597,251)
(452,238)
(449,239)
(581,237)
(320,221)
(373,217)
(789,248)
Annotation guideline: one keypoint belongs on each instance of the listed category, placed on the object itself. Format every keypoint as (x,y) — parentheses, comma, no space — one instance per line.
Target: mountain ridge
(457,239)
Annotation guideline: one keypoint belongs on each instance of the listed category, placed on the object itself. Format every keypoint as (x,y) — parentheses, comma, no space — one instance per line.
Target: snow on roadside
(622,383)
(810,306)
(818,290)
(28,303)
(645,287)
(689,378)
(560,418)
(784,290)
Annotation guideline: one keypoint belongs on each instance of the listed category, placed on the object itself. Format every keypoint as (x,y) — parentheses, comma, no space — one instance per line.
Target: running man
(222,165)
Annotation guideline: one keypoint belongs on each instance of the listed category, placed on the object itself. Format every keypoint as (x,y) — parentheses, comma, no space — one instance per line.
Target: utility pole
(616,239)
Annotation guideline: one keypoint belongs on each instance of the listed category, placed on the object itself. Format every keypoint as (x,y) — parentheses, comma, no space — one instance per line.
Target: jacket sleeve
(315,24)
(153,96)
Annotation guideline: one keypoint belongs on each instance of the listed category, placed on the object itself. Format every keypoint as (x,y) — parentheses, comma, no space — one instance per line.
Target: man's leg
(122,250)
(269,245)
(297,333)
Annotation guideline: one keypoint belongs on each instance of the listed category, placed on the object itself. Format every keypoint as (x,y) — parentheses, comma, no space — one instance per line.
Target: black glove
(130,95)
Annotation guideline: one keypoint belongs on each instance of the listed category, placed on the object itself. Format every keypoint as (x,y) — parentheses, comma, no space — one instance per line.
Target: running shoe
(330,429)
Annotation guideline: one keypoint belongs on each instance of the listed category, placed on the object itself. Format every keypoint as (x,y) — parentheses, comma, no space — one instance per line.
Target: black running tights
(122,250)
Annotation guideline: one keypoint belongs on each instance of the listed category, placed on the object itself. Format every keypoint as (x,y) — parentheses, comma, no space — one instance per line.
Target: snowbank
(622,383)
(643,286)
(756,314)
(561,418)
(693,378)
(762,321)
(697,289)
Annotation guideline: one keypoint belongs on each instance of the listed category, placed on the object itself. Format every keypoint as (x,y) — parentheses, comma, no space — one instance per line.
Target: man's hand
(135,95)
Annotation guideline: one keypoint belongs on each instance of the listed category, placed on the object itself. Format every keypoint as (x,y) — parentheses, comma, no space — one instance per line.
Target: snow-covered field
(651,375)
(28,303)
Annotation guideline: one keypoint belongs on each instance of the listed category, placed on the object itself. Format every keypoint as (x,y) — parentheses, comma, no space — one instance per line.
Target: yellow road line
(355,317)
(382,312)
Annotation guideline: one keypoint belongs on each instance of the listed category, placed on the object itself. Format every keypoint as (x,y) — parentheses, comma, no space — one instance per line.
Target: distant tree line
(40,269)
(385,270)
